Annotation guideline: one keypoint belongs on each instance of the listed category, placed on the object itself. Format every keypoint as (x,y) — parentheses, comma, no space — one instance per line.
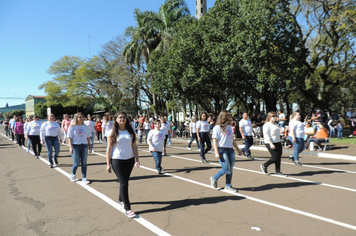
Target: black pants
(204,138)
(36,144)
(99,135)
(122,169)
(12,135)
(20,139)
(276,156)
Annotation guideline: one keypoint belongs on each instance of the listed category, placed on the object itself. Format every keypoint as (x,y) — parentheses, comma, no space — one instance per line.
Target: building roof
(29,97)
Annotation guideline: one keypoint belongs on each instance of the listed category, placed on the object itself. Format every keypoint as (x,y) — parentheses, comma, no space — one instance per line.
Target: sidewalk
(337,151)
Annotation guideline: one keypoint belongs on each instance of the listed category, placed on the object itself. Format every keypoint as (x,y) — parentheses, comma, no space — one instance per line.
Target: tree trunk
(270,101)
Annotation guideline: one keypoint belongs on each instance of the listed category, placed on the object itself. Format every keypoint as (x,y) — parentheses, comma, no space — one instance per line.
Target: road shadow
(330,163)
(173,205)
(188,170)
(276,186)
(311,173)
(104,180)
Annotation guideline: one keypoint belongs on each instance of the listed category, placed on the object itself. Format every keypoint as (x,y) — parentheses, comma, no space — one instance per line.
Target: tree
(15,112)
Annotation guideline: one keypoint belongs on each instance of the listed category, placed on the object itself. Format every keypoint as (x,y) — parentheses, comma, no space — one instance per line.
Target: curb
(316,154)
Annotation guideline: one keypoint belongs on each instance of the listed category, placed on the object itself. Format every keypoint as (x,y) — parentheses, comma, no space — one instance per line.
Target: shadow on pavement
(330,163)
(173,205)
(274,186)
(310,173)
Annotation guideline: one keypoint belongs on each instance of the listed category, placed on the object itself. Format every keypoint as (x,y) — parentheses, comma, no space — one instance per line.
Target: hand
(71,150)
(240,153)
(217,156)
(199,140)
(153,150)
(42,142)
(244,137)
(108,169)
(90,150)
(294,140)
(60,141)
(137,164)
(272,146)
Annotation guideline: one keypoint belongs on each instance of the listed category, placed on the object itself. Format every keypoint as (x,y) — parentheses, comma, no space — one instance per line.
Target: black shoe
(244,153)
(264,169)
(56,161)
(297,163)
(204,161)
(50,165)
(250,157)
(291,158)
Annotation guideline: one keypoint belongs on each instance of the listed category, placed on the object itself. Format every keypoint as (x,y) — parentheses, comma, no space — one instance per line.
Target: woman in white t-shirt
(272,139)
(107,127)
(147,127)
(166,129)
(203,133)
(92,127)
(224,143)
(155,142)
(193,133)
(79,140)
(296,136)
(121,155)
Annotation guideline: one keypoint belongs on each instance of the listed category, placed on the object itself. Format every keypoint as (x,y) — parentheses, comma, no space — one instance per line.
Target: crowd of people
(221,131)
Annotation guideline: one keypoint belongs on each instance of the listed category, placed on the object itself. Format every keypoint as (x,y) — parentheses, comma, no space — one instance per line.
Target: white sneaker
(231,189)
(213,182)
(85,181)
(350,136)
(72,178)
(28,150)
(189,148)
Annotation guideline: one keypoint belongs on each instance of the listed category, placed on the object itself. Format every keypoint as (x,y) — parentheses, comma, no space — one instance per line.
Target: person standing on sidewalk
(12,125)
(79,136)
(155,142)
(224,143)
(272,139)
(193,133)
(246,131)
(121,156)
(296,136)
(33,133)
(203,132)
(50,132)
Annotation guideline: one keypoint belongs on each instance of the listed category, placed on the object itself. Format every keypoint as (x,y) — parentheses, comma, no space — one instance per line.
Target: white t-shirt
(133,125)
(193,126)
(33,128)
(123,147)
(108,127)
(246,127)
(271,132)
(79,134)
(164,128)
(91,125)
(157,139)
(298,127)
(225,139)
(147,125)
(203,126)
(50,129)
(281,116)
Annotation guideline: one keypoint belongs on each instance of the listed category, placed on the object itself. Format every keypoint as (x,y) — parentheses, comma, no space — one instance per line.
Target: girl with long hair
(193,133)
(121,156)
(50,132)
(79,136)
(92,127)
(203,132)
(224,143)
(272,139)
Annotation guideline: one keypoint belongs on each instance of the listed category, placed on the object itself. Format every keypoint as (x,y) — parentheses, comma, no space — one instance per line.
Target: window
(202,1)
(202,10)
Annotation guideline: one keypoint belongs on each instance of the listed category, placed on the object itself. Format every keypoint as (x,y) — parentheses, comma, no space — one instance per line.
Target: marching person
(224,143)
(33,134)
(99,130)
(296,136)
(147,127)
(107,127)
(29,119)
(79,136)
(121,156)
(50,132)
(246,131)
(65,125)
(203,132)
(193,133)
(166,129)
(155,141)
(92,127)
(272,140)
(20,131)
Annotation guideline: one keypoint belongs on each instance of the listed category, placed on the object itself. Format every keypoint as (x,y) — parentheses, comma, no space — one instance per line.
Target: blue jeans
(194,136)
(248,143)
(339,134)
(140,138)
(158,160)
(204,138)
(92,140)
(147,131)
(332,132)
(80,154)
(29,143)
(7,131)
(169,140)
(299,146)
(227,161)
(52,142)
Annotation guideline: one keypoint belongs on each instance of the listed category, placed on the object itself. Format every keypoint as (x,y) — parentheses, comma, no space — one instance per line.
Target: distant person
(33,133)
(99,134)
(204,137)
(65,125)
(193,133)
(155,142)
(121,156)
(296,136)
(50,132)
(147,127)
(321,134)
(281,119)
(19,131)
(92,128)
(6,125)
(247,134)
(107,127)
(224,143)
(165,127)
(29,143)
(340,129)
(79,136)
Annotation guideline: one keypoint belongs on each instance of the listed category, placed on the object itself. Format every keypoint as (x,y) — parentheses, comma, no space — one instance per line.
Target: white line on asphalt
(289,163)
(106,199)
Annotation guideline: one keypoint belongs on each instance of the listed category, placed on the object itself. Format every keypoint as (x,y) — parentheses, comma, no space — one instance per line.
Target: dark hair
(223,120)
(203,114)
(115,128)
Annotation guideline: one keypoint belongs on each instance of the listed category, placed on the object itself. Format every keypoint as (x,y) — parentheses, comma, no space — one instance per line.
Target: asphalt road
(317,198)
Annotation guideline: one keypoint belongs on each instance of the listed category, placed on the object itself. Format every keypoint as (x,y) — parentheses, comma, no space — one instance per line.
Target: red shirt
(98,127)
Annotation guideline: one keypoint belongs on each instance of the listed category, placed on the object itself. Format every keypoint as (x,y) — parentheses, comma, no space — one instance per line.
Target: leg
(76,158)
(49,149)
(92,140)
(231,157)
(274,156)
(56,148)
(191,140)
(83,159)
(249,144)
(208,143)
(296,148)
(195,135)
(278,156)
(165,144)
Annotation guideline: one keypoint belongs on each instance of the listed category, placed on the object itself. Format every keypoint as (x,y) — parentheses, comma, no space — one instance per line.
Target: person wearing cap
(33,134)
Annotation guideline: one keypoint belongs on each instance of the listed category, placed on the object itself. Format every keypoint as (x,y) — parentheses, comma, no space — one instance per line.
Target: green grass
(344,140)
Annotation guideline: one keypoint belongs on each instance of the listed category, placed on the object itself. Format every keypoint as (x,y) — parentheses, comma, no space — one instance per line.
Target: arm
(237,148)
(89,144)
(108,155)
(70,145)
(150,145)
(242,133)
(266,133)
(197,129)
(135,151)
(216,148)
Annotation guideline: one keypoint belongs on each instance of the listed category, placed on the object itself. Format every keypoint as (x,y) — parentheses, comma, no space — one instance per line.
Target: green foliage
(10,114)
(58,110)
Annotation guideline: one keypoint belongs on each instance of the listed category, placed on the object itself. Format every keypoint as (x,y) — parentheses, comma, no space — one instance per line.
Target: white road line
(288,163)
(106,199)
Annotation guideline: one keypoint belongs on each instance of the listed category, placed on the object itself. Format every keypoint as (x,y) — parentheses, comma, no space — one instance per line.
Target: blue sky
(34,34)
